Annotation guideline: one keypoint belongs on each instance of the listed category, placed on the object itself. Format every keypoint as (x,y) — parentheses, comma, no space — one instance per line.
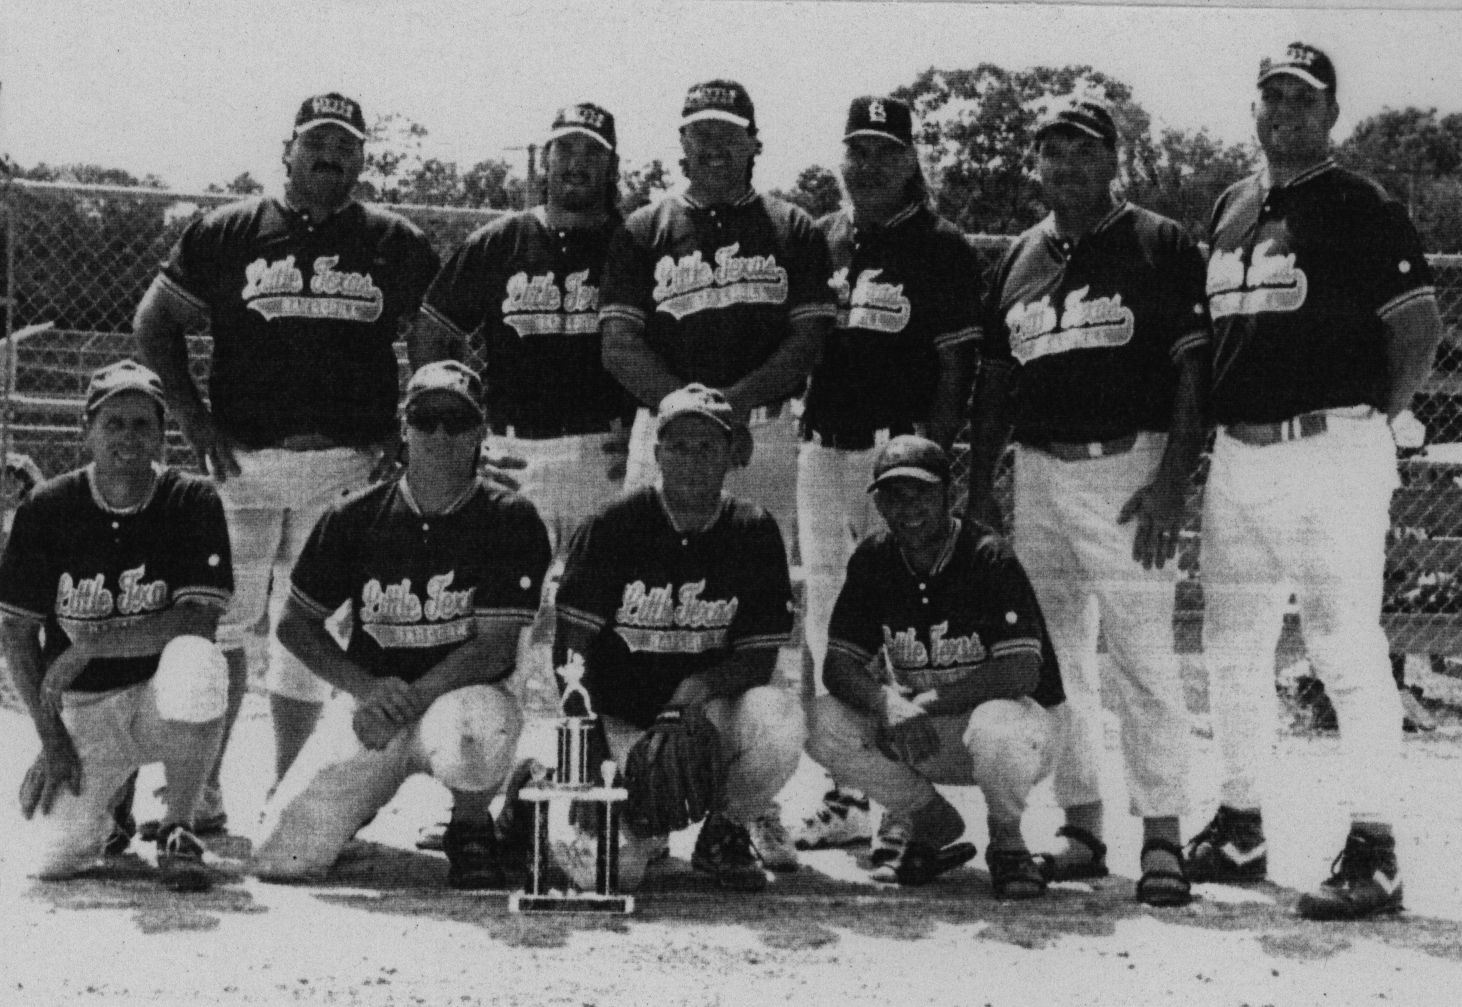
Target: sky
(198,92)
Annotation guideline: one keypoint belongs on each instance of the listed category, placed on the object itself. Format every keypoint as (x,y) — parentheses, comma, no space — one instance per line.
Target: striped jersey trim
(579,617)
(214,597)
(1395,304)
(970,333)
(1197,339)
(22,613)
(175,289)
(624,313)
(444,321)
(762,641)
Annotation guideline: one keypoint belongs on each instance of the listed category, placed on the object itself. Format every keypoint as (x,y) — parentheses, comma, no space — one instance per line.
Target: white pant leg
(1009,746)
(770,481)
(762,734)
(1042,542)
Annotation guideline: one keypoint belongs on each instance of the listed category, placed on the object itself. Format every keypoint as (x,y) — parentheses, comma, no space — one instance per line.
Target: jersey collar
(695,204)
(901,217)
(945,554)
(455,505)
(1048,225)
(670,518)
(1313,172)
(100,501)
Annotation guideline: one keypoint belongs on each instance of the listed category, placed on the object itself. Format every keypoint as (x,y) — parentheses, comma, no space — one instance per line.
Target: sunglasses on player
(454,420)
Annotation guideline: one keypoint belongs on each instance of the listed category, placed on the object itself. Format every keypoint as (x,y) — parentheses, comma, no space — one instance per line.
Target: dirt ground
(386,931)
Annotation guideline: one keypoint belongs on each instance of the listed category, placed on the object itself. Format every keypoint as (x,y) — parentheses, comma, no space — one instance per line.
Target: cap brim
(92,405)
(716,113)
(1075,127)
(316,123)
(669,418)
(1295,71)
(563,131)
(420,393)
(875,132)
(907,472)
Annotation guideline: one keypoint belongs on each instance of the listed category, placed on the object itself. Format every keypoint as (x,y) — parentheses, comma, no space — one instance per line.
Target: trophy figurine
(591,862)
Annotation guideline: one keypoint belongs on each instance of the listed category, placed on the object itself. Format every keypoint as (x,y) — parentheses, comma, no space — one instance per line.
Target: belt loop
(1094,449)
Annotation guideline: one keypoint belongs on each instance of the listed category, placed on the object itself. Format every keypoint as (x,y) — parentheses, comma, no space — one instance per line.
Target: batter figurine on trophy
(592,861)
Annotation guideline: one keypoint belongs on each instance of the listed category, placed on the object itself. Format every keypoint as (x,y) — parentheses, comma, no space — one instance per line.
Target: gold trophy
(590,861)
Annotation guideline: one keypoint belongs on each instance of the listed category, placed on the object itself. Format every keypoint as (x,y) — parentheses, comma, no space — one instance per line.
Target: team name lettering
(881,307)
(89,597)
(905,649)
(1271,282)
(656,606)
(333,106)
(276,290)
(263,278)
(398,604)
(332,283)
(138,596)
(535,305)
(1084,323)
(690,284)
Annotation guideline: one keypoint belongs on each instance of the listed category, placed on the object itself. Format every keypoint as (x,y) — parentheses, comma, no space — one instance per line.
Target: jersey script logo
(1038,330)
(661,620)
(689,284)
(276,290)
(395,616)
(1271,283)
(84,605)
(868,304)
(535,306)
(944,660)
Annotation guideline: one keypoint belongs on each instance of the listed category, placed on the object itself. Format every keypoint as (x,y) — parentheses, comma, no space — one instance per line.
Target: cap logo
(584,116)
(877,113)
(333,106)
(711,97)
(1301,54)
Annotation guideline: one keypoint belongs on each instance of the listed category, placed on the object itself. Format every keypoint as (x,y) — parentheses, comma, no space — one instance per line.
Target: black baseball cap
(125,376)
(449,376)
(910,457)
(1080,115)
(333,109)
(719,99)
(885,117)
(1306,62)
(586,118)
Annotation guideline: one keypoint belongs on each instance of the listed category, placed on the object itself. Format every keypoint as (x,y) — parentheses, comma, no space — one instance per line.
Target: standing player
(908,289)
(304,297)
(677,596)
(947,615)
(722,286)
(1325,324)
(440,571)
(111,586)
(1097,352)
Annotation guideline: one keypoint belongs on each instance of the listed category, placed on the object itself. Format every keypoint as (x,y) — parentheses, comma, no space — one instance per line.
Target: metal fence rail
(80,257)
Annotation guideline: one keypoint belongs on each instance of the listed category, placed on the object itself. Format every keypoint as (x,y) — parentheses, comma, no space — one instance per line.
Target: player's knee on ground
(468,737)
(191,683)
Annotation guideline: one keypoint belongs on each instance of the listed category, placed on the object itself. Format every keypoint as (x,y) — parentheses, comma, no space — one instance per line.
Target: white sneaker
(843,820)
(772,842)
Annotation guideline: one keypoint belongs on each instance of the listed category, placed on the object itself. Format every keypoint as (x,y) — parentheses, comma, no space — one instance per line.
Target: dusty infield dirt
(386,931)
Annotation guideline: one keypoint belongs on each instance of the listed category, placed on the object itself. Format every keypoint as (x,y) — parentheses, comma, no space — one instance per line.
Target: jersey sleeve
(856,627)
(1392,270)
(323,578)
(523,558)
(27,584)
(1015,625)
(190,270)
(809,267)
(956,312)
(418,263)
(994,339)
(764,617)
(205,569)
(587,590)
(1187,279)
(629,275)
(458,297)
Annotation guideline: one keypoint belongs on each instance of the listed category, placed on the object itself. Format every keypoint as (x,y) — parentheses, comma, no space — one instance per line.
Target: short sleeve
(629,275)
(324,575)
(809,267)
(1014,619)
(192,265)
(764,617)
(957,309)
(587,591)
(27,586)
(995,334)
(856,625)
(205,573)
(459,294)
(1392,268)
(513,595)
(418,264)
(1187,278)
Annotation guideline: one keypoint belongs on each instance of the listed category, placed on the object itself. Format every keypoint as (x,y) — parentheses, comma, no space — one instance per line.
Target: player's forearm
(1413,334)
(161,324)
(309,641)
(1185,439)
(784,371)
(989,426)
(430,339)
(634,365)
(21,640)
(1007,677)
(946,413)
(482,660)
(852,684)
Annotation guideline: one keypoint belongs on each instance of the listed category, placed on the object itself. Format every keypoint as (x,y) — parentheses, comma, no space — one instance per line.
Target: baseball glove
(673,773)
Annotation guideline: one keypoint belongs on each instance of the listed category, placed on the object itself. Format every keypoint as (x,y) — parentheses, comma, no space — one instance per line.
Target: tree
(397,172)
(977,129)
(816,190)
(1183,174)
(638,186)
(1416,157)
(242,185)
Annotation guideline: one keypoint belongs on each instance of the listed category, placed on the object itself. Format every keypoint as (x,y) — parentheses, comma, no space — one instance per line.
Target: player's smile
(125,433)
(1293,120)
(914,512)
(1075,171)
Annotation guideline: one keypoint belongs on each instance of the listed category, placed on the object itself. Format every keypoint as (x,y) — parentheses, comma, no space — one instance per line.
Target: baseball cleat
(472,857)
(770,839)
(918,863)
(1015,875)
(723,850)
(1230,849)
(180,860)
(843,819)
(1364,881)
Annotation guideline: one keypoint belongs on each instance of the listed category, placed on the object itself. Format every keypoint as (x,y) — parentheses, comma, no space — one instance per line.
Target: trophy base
(570,902)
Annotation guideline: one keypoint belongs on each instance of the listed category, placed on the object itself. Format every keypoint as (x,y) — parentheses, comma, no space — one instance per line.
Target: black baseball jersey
(975,605)
(420,585)
(665,604)
(532,293)
(1300,279)
(716,287)
(904,291)
(1094,327)
(303,316)
(84,569)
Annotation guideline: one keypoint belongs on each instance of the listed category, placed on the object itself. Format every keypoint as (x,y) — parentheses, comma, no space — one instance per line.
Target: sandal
(1164,887)
(1015,874)
(1052,869)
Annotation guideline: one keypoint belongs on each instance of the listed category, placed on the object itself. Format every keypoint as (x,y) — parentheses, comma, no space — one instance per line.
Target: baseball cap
(126,376)
(886,117)
(1081,115)
(330,109)
(697,400)
(719,99)
(910,457)
(1303,61)
(586,118)
(448,376)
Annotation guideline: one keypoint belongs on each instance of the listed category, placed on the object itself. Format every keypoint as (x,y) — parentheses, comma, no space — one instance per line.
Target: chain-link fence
(78,259)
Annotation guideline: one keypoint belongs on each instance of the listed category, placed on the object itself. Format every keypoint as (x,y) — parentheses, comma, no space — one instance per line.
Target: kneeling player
(677,597)
(441,571)
(950,616)
(124,565)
